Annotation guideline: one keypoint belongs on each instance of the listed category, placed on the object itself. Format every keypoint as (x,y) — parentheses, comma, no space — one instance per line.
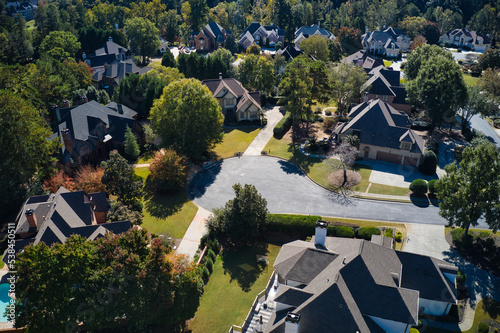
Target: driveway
(393,174)
(480,124)
(258,144)
(288,190)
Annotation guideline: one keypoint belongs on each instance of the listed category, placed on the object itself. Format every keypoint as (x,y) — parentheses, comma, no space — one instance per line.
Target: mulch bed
(337,178)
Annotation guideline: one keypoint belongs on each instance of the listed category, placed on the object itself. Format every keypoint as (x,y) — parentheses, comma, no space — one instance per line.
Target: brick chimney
(65,103)
(55,113)
(68,142)
(31,217)
(83,100)
(320,233)
(292,322)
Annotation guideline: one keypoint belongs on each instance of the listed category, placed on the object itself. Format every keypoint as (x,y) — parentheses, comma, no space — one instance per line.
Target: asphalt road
(288,190)
(482,125)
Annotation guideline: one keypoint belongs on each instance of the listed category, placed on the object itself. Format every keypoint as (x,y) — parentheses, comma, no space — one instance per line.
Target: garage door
(388,157)
(411,161)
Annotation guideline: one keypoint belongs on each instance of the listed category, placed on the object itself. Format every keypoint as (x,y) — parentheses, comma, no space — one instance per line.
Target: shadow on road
(202,180)
(290,168)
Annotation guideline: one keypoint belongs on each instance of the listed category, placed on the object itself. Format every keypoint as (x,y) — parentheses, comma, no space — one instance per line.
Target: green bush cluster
(340,231)
(304,225)
(418,186)
(483,327)
(457,234)
(388,233)
(367,232)
(432,185)
(399,237)
(283,126)
(461,277)
(209,264)
(428,166)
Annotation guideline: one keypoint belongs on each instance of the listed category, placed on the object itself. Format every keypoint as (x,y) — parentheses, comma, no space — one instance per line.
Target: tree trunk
(466,230)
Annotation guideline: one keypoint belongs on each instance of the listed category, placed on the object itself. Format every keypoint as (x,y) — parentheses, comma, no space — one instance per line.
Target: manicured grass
(236,139)
(232,288)
(470,80)
(165,214)
(365,172)
(385,189)
(387,63)
(146,158)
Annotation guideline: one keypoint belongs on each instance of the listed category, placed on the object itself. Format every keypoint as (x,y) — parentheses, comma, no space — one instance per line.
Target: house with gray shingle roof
(54,217)
(256,33)
(210,38)
(108,77)
(384,133)
(88,132)
(347,285)
(464,38)
(306,32)
(388,42)
(236,102)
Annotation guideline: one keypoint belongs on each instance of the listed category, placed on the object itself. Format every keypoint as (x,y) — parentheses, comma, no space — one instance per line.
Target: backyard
(235,140)
(233,285)
(166,214)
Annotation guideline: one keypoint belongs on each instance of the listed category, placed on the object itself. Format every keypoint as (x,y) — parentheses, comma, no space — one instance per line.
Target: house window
(384,98)
(230,101)
(202,42)
(253,115)
(406,146)
(242,116)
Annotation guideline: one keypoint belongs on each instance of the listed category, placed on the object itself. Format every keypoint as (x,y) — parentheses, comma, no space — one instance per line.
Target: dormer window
(405,146)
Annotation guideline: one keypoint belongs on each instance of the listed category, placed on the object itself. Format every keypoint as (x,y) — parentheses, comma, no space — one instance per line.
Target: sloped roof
(214,29)
(290,52)
(109,47)
(119,69)
(236,89)
(312,30)
(367,61)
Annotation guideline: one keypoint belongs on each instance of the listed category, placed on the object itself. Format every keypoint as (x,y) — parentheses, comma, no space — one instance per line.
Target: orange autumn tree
(169,170)
(87,179)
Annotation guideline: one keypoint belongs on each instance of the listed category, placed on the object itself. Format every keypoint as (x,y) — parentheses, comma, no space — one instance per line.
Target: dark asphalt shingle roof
(291,296)
(290,52)
(311,30)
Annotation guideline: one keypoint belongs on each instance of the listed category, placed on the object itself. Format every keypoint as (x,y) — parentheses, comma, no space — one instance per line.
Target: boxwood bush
(304,226)
(399,237)
(418,186)
(283,126)
(432,185)
(461,278)
(428,166)
(340,231)
(367,232)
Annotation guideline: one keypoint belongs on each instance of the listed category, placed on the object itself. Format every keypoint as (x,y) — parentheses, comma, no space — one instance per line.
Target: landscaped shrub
(414,330)
(211,255)
(428,166)
(457,234)
(292,224)
(367,232)
(496,122)
(388,233)
(209,264)
(340,231)
(205,274)
(399,237)
(432,185)
(461,277)
(483,327)
(264,121)
(283,126)
(215,246)
(418,186)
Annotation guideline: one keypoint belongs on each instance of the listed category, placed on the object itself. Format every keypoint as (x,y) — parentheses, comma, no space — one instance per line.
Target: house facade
(236,102)
(88,132)
(109,75)
(54,217)
(306,32)
(384,133)
(259,34)
(108,53)
(464,38)
(388,42)
(384,84)
(363,59)
(347,285)
(210,38)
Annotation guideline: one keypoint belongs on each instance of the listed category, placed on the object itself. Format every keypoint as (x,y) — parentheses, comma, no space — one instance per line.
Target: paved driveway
(288,190)
(393,174)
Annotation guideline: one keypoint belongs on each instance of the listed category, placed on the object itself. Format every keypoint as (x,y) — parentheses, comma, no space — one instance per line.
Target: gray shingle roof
(313,29)
(290,52)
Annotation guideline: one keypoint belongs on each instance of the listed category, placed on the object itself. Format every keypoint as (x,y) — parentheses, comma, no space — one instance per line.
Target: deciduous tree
(168,60)
(490,83)
(347,82)
(143,36)
(60,45)
(472,190)
(477,103)
(169,171)
(187,117)
(316,46)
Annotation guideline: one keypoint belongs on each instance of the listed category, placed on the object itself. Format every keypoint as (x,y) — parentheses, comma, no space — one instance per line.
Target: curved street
(288,190)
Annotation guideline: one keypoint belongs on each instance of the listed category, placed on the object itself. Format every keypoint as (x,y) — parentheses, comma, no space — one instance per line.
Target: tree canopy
(316,46)
(169,170)
(187,117)
(347,82)
(477,103)
(60,45)
(130,276)
(471,190)
(143,36)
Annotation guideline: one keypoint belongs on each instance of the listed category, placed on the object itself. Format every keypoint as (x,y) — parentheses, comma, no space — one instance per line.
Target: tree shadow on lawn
(241,264)
(305,162)
(244,129)
(491,307)
(162,205)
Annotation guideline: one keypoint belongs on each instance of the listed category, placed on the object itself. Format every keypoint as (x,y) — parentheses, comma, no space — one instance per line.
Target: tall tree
(490,83)
(489,59)
(168,60)
(316,46)
(347,82)
(143,36)
(60,45)
(26,151)
(477,103)
(169,25)
(131,147)
(472,190)
(243,218)
(187,117)
(198,10)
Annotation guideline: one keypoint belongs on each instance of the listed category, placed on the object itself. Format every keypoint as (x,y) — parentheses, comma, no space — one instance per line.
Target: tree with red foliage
(349,37)
(88,179)
(169,170)
(60,179)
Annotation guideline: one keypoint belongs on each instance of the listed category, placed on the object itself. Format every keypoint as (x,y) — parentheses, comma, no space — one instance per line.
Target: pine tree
(131,146)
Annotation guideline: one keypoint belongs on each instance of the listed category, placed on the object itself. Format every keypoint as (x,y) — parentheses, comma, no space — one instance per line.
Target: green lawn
(146,158)
(390,190)
(232,288)
(166,214)
(387,63)
(470,80)
(236,139)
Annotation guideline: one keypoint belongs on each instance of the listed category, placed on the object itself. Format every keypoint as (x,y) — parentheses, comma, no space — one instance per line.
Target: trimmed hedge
(283,126)
(418,186)
(432,185)
(304,226)
(399,237)
(340,231)
(388,233)
(367,232)
(428,166)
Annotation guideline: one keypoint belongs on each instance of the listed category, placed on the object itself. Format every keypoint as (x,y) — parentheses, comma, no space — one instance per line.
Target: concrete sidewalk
(191,240)
(260,141)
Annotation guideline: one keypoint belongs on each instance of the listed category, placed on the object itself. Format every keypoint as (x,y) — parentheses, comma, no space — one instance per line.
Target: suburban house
(88,132)
(109,52)
(210,38)
(464,38)
(236,102)
(306,32)
(54,217)
(290,52)
(163,45)
(259,34)
(384,133)
(109,75)
(388,42)
(384,83)
(26,9)
(363,59)
(349,285)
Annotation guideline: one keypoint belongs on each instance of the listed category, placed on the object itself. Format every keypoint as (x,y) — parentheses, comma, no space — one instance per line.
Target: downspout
(446,309)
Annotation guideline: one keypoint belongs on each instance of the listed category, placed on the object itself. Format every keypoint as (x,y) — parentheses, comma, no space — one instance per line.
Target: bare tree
(347,155)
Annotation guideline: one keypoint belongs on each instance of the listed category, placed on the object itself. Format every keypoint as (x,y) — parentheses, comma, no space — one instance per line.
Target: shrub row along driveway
(288,190)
